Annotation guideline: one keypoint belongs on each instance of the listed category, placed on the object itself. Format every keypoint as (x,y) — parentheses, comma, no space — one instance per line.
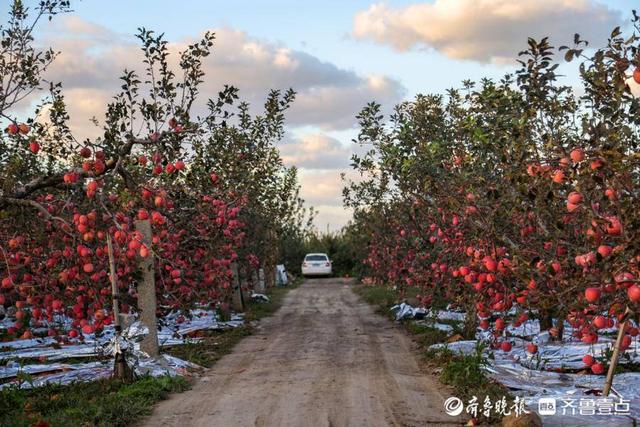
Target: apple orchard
(511,200)
(205,173)
(514,199)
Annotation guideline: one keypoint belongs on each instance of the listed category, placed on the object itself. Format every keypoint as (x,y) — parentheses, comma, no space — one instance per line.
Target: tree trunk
(560,327)
(236,298)
(147,293)
(546,320)
(470,323)
(121,369)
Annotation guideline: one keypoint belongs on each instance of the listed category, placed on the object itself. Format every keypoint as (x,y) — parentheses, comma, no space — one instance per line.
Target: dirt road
(324,359)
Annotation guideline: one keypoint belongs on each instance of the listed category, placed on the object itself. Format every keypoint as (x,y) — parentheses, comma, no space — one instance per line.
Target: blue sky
(321,28)
(338,55)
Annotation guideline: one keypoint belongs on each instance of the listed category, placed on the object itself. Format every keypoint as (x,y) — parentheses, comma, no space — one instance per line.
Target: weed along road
(324,359)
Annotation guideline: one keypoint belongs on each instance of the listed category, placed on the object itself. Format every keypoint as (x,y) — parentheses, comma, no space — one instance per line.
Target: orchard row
(205,173)
(514,199)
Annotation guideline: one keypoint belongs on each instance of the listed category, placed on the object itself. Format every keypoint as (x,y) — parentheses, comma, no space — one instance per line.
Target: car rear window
(316,258)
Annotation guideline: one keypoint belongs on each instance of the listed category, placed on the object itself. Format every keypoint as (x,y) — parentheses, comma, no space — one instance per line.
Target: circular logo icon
(453,406)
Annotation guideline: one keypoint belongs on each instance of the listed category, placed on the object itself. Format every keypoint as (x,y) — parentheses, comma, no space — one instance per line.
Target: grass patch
(424,334)
(466,375)
(111,402)
(381,298)
(99,403)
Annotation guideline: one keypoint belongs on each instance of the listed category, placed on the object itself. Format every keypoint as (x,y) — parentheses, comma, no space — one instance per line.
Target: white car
(316,265)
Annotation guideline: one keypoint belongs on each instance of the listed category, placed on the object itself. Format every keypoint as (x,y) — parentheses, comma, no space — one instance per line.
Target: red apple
(597,368)
(85,152)
(144,251)
(592,294)
(506,346)
(626,342)
(558,177)
(99,167)
(634,293)
(574,198)
(613,226)
(611,193)
(597,164)
(490,264)
(143,214)
(577,155)
(12,129)
(600,322)
(636,75)
(23,128)
(532,348)
(590,338)
(572,207)
(588,360)
(70,177)
(34,147)
(604,250)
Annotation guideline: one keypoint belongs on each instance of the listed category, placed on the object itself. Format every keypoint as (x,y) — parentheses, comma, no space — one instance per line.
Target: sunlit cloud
(484,30)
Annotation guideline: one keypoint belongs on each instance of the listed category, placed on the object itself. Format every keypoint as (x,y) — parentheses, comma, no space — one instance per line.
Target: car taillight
(328,264)
(304,264)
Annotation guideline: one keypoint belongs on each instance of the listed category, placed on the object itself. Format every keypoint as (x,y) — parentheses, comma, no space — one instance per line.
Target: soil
(324,359)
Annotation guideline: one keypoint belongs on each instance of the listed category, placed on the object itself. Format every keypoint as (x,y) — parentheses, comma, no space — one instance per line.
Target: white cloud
(315,151)
(80,103)
(333,107)
(331,217)
(322,189)
(93,57)
(484,30)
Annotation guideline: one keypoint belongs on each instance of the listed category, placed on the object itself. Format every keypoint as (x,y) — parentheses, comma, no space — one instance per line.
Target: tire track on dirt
(324,359)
